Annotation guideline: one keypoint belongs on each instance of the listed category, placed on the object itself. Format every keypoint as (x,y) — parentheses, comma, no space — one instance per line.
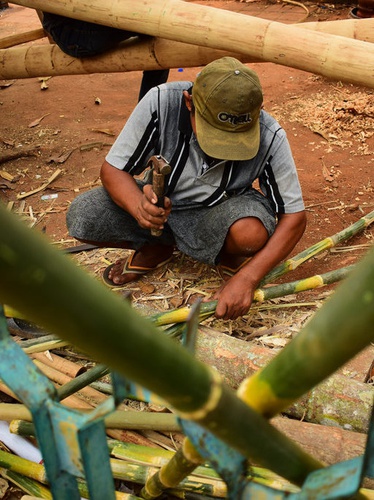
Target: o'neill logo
(234,119)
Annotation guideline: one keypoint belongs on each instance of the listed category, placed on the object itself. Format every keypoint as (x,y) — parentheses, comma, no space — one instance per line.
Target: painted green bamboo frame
(53,292)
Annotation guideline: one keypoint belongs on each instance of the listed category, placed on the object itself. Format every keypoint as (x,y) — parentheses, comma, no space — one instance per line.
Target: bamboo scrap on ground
(29,36)
(332,56)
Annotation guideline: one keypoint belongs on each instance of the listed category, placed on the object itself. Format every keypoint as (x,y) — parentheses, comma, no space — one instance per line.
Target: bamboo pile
(71,304)
(333,56)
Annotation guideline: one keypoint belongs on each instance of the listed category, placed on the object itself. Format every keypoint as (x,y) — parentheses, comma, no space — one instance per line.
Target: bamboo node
(211,403)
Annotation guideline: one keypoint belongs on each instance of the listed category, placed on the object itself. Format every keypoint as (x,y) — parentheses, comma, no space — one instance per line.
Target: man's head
(227,98)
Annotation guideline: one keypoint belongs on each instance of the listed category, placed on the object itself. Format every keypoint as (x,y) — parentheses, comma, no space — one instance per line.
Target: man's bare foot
(141,262)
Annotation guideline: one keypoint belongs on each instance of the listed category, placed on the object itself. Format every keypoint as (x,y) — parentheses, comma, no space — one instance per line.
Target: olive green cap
(227,96)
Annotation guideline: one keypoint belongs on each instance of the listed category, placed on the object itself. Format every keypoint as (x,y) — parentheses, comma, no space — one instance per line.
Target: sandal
(128,268)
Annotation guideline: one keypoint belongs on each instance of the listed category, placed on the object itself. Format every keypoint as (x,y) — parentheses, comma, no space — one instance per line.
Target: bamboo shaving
(342,117)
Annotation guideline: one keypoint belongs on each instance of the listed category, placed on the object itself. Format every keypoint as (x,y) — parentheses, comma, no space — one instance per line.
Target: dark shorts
(199,232)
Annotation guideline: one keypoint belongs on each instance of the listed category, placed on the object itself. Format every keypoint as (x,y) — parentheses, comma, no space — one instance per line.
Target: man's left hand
(234,298)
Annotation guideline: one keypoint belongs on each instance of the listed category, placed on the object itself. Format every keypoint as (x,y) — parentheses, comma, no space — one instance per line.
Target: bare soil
(74,120)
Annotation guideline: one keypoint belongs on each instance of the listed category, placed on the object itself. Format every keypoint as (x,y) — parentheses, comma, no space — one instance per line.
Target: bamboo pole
(328,341)
(26,484)
(260,295)
(61,297)
(150,54)
(325,244)
(329,55)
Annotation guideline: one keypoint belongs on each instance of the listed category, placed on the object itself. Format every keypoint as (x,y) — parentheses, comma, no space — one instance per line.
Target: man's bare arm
(125,192)
(236,295)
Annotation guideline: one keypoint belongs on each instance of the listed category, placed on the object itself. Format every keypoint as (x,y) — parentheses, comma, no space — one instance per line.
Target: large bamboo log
(340,400)
(150,54)
(132,55)
(321,53)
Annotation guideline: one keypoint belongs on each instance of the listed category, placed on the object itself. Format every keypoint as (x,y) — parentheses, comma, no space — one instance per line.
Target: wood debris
(343,118)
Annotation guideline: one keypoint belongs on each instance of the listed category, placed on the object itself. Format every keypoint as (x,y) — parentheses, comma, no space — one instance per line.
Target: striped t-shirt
(160,125)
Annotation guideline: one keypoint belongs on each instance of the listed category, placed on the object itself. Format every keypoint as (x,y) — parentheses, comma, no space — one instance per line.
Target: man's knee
(246,236)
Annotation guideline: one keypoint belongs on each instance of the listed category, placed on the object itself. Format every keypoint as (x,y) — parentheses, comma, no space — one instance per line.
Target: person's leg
(94,218)
(245,238)
(152,79)
(81,38)
(227,233)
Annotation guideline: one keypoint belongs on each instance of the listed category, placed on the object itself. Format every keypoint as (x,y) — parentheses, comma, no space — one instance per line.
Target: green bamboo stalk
(22,466)
(26,484)
(261,294)
(334,334)
(172,473)
(29,475)
(19,416)
(81,381)
(54,293)
(329,242)
(129,420)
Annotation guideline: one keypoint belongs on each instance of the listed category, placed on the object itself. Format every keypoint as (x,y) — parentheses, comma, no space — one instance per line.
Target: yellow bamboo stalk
(321,53)
(59,363)
(87,395)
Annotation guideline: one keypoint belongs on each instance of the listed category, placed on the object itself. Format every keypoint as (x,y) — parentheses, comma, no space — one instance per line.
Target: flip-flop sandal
(228,272)
(130,269)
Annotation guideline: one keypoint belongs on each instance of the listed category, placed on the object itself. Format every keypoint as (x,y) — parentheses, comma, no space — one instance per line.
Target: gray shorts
(199,232)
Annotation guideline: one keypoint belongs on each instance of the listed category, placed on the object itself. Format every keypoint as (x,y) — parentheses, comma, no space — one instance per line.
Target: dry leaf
(35,123)
(176,301)
(60,158)
(147,288)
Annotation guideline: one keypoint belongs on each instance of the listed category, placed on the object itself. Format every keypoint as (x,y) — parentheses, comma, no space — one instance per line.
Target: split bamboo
(150,54)
(59,363)
(332,56)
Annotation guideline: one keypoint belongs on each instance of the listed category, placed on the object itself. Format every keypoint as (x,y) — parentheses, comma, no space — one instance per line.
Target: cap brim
(226,145)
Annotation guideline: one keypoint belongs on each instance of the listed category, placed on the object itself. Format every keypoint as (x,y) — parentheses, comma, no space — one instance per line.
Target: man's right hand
(148,214)
(125,192)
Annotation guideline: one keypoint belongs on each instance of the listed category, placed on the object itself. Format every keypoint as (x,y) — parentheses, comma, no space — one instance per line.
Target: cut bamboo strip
(29,36)
(329,55)
(27,484)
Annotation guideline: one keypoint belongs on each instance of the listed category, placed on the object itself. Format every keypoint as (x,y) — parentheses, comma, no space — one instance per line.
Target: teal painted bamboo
(54,293)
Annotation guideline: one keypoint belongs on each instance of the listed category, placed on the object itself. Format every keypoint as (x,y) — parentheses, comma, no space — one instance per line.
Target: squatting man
(218,141)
